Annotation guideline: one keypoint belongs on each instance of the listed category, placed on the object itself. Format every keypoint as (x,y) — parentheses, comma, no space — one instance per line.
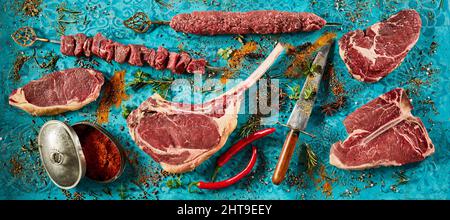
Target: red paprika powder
(103,158)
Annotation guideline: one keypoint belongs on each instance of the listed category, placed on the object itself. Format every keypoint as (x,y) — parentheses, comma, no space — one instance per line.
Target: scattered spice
(17,167)
(32,7)
(86,62)
(21,58)
(114,95)
(103,158)
(332,107)
(238,55)
(303,58)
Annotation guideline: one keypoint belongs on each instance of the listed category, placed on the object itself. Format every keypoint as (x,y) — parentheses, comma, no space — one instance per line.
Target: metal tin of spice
(62,153)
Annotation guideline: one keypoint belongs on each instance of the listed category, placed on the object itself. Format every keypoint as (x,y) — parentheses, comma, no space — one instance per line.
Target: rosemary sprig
(142,79)
(251,126)
(311,158)
(49,60)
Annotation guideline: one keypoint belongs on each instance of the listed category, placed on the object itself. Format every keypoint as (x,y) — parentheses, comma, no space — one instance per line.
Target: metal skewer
(26,37)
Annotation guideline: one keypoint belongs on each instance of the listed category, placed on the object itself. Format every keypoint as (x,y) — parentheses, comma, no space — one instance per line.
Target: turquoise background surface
(21,173)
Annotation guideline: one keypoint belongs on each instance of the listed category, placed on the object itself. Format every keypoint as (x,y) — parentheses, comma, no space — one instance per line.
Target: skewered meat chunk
(121,52)
(67,45)
(149,56)
(79,43)
(197,66)
(96,43)
(162,56)
(135,55)
(173,60)
(107,50)
(87,47)
(184,61)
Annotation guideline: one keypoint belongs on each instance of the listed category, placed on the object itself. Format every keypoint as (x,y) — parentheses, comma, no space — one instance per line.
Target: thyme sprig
(142,79)
(401,177)
(49,60)
(21,58)
(174,182)
(63,13)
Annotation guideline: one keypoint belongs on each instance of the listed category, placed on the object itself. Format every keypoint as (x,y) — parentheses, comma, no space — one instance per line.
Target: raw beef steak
(58,92)
(375,52)
(382,132)
(181,136)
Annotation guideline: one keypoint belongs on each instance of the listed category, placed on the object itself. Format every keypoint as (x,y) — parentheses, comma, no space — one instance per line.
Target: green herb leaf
(309,93)
(295,92)
(174,183)
(225,53)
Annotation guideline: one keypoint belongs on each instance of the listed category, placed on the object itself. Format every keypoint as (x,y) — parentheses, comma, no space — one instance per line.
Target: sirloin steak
(181,136)
(373,53)
(382,132)
(58,92)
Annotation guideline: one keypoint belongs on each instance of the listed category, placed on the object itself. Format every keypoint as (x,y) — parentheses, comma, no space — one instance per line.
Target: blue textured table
(22,176)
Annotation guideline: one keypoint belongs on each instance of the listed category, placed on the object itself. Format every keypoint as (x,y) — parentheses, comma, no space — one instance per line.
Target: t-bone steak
(58,92)
(181,136)
(382,132)
(373,53)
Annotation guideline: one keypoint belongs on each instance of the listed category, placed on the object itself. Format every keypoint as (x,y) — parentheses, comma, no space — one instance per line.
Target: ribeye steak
(58,92)
(382,132)
(181,136)
(373,53)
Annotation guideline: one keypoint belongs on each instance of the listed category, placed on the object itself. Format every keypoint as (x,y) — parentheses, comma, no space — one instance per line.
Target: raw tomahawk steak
(58,92)
(181,136)
(382,132)
(375,52)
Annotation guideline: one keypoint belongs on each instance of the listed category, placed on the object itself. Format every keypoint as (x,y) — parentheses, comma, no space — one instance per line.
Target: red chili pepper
(241,144)
(232,180)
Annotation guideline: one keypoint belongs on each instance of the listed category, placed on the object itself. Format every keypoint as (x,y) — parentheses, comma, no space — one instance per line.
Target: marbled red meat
(382,132)
(58,92)
(96,43)
(373,53)
(149,56)
(181,136)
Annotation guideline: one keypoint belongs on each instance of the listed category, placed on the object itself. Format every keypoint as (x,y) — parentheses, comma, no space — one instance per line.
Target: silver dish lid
(61,154)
